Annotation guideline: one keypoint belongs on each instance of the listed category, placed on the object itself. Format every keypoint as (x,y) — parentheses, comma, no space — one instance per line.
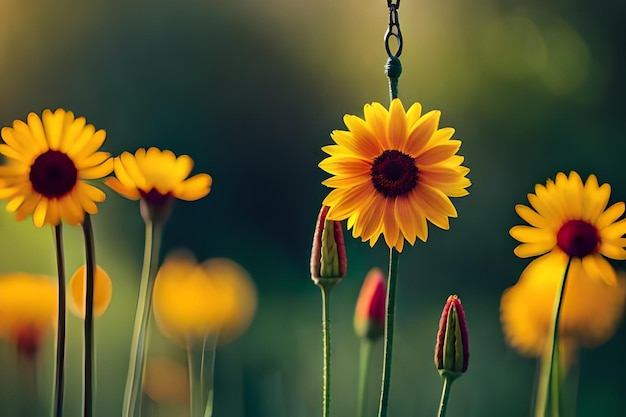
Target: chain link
(393,31)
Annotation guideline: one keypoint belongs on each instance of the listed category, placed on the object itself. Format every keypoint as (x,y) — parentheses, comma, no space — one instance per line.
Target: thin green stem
(208,388)
(139,346)
(59,372)
(364,372)
(389,325)
(90,266)
(195,388)
(393,69)
(549,378)
(445,394)
(29,398)
(326,289)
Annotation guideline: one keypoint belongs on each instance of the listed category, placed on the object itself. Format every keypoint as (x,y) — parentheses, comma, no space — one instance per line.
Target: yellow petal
(128,192)
(194,188)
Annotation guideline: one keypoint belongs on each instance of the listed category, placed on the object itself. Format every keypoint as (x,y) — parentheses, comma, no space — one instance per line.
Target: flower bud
(328,256)
(452,348)
(369,316)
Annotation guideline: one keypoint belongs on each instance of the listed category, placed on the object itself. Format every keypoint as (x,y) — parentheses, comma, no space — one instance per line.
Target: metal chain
(393,31)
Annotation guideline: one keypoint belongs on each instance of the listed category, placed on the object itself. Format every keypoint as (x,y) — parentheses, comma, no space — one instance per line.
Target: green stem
(208,411)
(90,262)
(136,365)
(364,371)
(326,289)
(549,378)
(393,69)
(59,372)
(445,394)
(29,398)
(195,388)
(389,325)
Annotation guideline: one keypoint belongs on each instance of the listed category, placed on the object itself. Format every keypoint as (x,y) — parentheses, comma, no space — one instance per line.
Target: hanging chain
(393,31)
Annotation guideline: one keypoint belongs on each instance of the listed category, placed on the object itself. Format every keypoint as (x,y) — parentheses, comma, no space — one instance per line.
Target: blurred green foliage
(251,90)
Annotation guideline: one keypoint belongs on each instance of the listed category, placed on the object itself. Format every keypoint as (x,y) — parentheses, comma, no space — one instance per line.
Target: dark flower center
(155,198)
(27,341)
(578,238)
(53,174)
(394,173)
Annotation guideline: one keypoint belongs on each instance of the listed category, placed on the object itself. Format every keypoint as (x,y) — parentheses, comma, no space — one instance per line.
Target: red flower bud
(369,316)
(452,348)
(328,255)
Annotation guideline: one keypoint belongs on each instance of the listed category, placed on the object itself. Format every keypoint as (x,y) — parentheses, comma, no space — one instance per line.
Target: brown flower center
(53,174)
(394,173)
(155,198)
(28,340)
(578,238)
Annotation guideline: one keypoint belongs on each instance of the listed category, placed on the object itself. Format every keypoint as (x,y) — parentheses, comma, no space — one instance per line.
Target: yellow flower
(157,176)
(102,291)
(570,219)
(28,310)
(166,381)
(49,157)
(393,171)
(590,313)
(192,301)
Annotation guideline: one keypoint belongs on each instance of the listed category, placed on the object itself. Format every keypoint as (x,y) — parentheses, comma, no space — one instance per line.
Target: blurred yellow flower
(49,157)
(166,382)
(590,313)
(28,310)
(192,301)
(157,176)
(571,219)
(393,171)
(102,291)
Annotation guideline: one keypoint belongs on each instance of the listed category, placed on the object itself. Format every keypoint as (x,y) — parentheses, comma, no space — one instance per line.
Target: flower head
(590,313)
(328,253)
(393,171)
(102,291)
(452,347)
(166,381)
(194,300)
(28,310)
(369,316)
(157,177)
(49,159)
(571,219)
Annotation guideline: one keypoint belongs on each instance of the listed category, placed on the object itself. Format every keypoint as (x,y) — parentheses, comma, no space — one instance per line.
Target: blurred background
(251,90)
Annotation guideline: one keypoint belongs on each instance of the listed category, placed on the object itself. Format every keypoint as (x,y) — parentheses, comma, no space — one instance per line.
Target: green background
(251,90)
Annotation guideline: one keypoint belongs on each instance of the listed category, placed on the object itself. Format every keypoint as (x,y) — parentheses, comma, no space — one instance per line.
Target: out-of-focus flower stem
(364,372)
(59,372)
(548,389)
(389,325)
(90,269)
(206,381)
(134,381)
(201,384)
(195,384)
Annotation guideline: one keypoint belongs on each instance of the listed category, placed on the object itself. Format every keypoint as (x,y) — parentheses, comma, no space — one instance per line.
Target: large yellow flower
(28,310)
(571,219)
(590,313)
(49,157)
(157,176)
(392,171)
